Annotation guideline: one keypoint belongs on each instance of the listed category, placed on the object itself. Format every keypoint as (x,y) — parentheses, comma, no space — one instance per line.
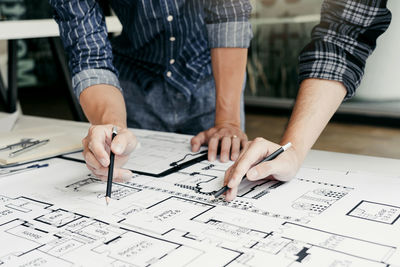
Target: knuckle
(214,138)
(84,141)
(91,146)
(259,140)
(238,172)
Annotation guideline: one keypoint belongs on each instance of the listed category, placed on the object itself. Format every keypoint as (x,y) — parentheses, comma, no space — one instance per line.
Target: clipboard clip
(24,145)
(176,163)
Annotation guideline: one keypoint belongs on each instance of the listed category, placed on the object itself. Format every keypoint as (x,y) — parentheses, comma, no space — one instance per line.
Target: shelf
(364,108)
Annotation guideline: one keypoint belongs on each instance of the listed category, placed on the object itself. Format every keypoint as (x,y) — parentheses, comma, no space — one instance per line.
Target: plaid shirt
(343,40)
(161,39)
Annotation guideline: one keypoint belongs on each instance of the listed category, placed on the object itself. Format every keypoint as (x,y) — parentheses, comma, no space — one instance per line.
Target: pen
(27,146)
(110,168)
(23,169)
(268,158)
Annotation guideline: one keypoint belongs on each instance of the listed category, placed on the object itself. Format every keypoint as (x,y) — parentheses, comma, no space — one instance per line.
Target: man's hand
(97,145)
(282,168)
(230,137)
(229,66)
(316,102)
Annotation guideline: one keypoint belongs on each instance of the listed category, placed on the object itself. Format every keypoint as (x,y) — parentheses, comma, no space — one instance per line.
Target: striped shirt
(343,40)
(167,39)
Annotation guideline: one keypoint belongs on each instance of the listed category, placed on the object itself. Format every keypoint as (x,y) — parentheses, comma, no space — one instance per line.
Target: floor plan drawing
(157,152)
(60,219)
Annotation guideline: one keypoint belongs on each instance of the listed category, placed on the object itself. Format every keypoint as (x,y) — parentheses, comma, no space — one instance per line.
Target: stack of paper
(61,140)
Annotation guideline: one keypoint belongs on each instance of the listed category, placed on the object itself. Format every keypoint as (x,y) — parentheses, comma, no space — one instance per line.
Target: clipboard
(157,153)
(187,160)
(54,141)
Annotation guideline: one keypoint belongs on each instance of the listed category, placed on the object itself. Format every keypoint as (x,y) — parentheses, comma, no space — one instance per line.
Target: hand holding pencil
(257,162)
(97,146)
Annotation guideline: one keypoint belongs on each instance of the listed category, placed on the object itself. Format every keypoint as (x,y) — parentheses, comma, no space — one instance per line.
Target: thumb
(124,143)
(262,170)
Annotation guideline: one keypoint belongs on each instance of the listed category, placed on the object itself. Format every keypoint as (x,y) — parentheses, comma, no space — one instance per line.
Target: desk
(315,159)
(332,214)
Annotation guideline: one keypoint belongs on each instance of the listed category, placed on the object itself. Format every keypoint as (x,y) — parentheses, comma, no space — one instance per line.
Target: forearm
(229,66)
(316,103)
(104,104)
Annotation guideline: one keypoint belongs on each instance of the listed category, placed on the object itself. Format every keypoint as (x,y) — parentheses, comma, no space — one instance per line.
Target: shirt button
(172,61)
(169,74)
(170,18)
(172,38)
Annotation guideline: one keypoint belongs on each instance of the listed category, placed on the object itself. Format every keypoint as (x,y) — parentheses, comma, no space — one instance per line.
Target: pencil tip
(107,200)
(212,198)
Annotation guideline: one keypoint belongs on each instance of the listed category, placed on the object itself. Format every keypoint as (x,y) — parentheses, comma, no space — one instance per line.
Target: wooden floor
(339,137)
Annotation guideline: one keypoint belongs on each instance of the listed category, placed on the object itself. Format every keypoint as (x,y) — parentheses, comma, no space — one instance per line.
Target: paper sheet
(61,140)
(156,151)
(321,218)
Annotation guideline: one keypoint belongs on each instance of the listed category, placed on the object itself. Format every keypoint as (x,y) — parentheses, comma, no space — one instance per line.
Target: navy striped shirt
(168,39)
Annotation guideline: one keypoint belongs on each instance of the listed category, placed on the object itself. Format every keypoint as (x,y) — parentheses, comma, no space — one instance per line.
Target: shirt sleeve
(228,23)
(343,40)
(84,35)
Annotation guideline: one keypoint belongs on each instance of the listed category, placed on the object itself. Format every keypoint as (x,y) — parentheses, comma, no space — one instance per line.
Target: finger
(197,141)
(120,161)
(91,160)
(235,148)
(101,172)
(91,169)
(231,194)
(244,150)
(253,154)
(84,142)
(260,171)
(213,147)
(244,142)
(124,143)
(225,148)
(228,175)
(119,175)
(122,175)
(97,145)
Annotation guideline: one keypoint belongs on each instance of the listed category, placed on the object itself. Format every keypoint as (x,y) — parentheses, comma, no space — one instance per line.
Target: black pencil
(110,168)
(268,158)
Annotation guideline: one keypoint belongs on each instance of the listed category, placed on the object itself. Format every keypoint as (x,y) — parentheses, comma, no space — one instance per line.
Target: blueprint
(157,153)
(320,218)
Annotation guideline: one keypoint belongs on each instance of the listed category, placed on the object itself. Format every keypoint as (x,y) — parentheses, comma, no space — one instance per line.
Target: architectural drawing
(320,218)
(157,153)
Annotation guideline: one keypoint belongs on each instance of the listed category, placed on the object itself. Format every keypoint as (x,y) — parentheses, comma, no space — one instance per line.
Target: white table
(40,28)
(315,159)
(64,189)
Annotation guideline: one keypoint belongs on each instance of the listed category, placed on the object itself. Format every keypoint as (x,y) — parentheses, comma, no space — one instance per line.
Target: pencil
(268,158)
(110,168)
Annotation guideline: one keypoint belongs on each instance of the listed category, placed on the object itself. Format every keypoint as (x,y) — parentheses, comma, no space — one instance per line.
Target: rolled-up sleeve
(228,23)
(343,40)
(84,35)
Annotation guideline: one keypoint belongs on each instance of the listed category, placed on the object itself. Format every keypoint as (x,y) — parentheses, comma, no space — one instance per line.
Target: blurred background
(281,29)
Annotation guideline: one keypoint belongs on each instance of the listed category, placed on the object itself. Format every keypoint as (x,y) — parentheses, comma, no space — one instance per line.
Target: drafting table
(339,210)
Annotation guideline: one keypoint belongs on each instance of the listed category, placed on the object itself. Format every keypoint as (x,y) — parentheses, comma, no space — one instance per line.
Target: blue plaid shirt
(343,40)
(160,38)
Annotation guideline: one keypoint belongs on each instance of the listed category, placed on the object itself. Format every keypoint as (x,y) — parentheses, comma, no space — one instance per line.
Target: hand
(230,136)
(282,168)
(96,151)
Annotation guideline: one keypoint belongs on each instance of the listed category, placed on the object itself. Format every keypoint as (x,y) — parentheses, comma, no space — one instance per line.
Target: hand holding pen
(257,162)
